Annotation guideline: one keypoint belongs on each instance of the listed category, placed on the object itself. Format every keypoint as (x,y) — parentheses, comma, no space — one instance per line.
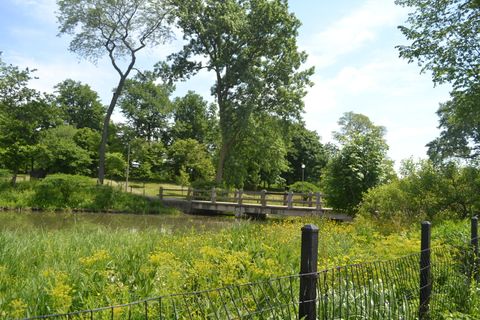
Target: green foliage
(259,160)
(151,159)
(444,39)
(460,123)
(61,191)
(117,29)
(4,173)
(194,119)
(305,149)
(57,152)
(80,105)
(360,164)
(303,187)
(242,42)
(24,113)
(115,165)
(146,106)
(189,160)
(425,192)
(429,25)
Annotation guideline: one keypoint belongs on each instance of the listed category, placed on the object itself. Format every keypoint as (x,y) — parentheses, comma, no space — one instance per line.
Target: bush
(62,191)
(303,187)
(203,184)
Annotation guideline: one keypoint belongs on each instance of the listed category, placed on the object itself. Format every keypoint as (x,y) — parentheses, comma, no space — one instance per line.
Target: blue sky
(351,43)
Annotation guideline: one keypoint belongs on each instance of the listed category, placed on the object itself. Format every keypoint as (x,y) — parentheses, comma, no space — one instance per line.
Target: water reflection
(132,222)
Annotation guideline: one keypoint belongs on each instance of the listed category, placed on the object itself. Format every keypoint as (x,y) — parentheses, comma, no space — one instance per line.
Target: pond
(13,220)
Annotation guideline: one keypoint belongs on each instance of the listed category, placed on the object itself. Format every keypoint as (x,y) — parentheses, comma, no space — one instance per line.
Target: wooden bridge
(249,203)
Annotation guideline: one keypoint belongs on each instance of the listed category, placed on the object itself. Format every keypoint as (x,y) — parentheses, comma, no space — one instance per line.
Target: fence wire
(375,290)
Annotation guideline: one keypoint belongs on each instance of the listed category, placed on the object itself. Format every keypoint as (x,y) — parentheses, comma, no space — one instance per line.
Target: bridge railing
(261,198)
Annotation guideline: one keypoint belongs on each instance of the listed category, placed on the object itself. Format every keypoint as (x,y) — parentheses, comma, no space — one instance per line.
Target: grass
(68,192)
(87,265)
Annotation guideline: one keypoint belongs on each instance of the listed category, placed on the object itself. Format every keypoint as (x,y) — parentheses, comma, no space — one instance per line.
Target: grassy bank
(85,265)
(68,192)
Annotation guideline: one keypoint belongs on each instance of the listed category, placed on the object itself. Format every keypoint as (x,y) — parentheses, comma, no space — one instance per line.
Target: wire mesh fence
(376,290)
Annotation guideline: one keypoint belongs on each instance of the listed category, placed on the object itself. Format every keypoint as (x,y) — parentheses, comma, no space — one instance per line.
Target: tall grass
(85,265)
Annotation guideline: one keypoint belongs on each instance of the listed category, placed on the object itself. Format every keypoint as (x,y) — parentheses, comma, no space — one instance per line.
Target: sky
(351,44)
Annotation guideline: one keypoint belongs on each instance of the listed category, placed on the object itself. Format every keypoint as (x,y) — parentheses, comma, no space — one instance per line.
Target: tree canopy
(80,105)
(251,48)
(118,29)
(360,164)
(445,39)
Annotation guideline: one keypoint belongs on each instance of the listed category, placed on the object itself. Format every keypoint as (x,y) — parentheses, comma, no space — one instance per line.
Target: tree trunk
(14,177)
(221,162)
(106,123)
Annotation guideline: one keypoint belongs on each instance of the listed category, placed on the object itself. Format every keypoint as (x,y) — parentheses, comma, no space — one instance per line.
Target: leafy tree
(250,46)
(189,159)
(115,165)
(425,191)
(24,113)
(445,39)
(305,148)
(146,106)
(119,29)
(57,152)
(360,164)
(460,124)
(260,158)
(193,118)
(150,159)
(80,105)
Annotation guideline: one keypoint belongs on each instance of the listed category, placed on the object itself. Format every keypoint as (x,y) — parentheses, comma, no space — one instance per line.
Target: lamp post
(303,172)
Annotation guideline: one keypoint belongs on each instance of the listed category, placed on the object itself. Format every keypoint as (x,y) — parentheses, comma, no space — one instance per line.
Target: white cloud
(43,10)
(352,32)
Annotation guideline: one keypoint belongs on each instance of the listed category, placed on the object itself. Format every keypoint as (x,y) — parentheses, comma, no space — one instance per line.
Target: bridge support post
(214,195)
(263,199)
(189,194)
(318,201)
(308,273)
(290,200)
(310,198)
(160,193)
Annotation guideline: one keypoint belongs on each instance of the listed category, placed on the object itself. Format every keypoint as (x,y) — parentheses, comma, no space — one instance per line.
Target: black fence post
(308,273)
(425,272)
(474,243)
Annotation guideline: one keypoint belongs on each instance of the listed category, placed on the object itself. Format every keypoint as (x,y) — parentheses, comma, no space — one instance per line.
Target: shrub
(303,187)
(62,191)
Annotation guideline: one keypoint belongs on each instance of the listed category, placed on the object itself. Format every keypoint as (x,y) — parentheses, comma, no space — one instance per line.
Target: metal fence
(421,285)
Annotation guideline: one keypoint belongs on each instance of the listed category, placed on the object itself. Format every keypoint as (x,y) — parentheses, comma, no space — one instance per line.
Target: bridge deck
(192,206)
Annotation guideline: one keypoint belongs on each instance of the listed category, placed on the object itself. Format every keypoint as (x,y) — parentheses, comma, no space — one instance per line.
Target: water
(10,220)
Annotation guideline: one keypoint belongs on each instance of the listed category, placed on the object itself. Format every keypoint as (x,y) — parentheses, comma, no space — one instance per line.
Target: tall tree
(460,124)
(305,149)
(193,118)
(360,164)
(445,39)
(24,113)
(146,105)
(250,46)
(117,28)
(80,105)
